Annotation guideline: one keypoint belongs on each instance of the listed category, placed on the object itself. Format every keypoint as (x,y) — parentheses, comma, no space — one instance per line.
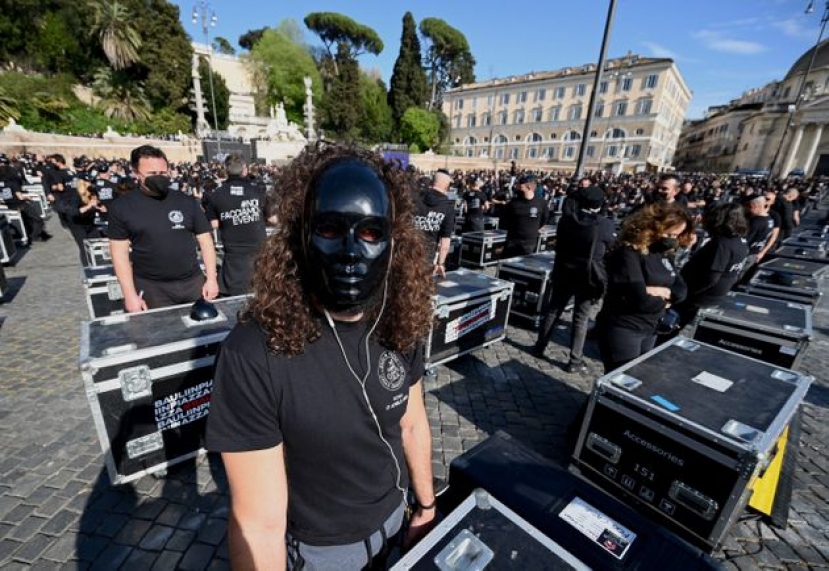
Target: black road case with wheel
(786,287)
(684,432)
(802,253)
(470,311)
(8,249)
(546,239)
(532,278)
(482,249)
(795,267)
(148,378)
(771,330)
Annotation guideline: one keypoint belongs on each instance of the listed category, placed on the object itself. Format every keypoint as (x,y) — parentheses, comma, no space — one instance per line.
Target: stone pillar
(810,157)
(202,127)
(793,148)
(309,111)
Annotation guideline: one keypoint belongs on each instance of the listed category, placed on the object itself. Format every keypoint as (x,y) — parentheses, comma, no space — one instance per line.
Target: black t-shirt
(9,186)
(435,217)
(785,210)
(161,233)
(342,479)
(522,218)
(627,303)
(759,229)
(475,200)
(67,179)
(574,236)
(239,206)
(714,269)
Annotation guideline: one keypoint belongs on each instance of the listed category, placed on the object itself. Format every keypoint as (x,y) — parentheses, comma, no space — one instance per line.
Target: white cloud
(718,42)
(658,50)
(794,28)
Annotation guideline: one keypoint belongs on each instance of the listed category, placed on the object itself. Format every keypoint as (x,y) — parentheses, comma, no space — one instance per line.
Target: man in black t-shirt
(762,231)
(789,215)
(523,218)
(105,189)
(11,194)
(237,210)
(435,217)
(474,205)
(317,407)
(163,228)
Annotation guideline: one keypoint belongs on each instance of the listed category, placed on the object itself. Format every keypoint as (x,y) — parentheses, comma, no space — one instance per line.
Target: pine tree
(408,81)
(344,103)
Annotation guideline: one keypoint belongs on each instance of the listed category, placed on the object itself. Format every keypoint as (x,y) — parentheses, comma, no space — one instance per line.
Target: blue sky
(722,47)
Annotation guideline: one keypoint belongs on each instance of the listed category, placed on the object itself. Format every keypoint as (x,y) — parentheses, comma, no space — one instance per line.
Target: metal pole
(205,22)
(801,89)
(608,25)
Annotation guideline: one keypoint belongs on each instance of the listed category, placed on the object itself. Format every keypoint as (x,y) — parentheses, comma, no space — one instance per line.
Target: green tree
(448,59)
(54,46)
(112,24)
(249,38)
(220,92)
(120,98)
(165,54)
(376,120)
(351,38)
(419,128)
(343,104)
(408,81)
(9,107)
(280,65)
(222,46)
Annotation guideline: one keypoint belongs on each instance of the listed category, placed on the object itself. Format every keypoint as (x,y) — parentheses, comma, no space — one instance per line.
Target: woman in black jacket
(642,281)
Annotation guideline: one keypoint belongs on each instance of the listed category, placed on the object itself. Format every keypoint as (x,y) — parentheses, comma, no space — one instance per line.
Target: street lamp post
(608,25)
(801,91)
(200,14)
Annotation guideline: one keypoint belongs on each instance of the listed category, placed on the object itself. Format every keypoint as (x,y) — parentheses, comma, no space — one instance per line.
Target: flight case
(684,431)
(470,312)
(771,330)
(8,248)
(102,291)
(482,249)
(786,287)
(594,527)
(532,278)
(795,267)
(148,378)
(546,239)
(97,252)
(802,253)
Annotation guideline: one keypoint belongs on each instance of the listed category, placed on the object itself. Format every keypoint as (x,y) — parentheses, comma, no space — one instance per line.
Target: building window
(553,136)
(612,150)
(470,152)
(572,136)
(513,153)
(522,97)
(486,119)
(574,113)
(569,152)
(470,120)
(550,153)
(591,150)
(519,117)
(459,103)
(559,92)
(537,113)
(627,83)
(534,138)
(505,99)
(633,151)
(457,121)
(540,95)
(651,81)
(603,87)
(579,90)
(616,133)
(499,153)
(640,131)
(620,108)
(502,117)
(599,112)
(593,134)
(644,107)
(490,99)
(532,153)
(555,113)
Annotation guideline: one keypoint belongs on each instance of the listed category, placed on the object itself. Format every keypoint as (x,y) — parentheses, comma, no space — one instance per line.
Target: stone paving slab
(59,512)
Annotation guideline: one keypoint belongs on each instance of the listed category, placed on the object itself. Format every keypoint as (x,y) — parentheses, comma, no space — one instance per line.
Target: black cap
(591,197)
(527,178)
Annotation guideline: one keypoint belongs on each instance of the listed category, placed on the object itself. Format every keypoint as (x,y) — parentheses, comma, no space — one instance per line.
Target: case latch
(136,383)
(114,291)
(465,552)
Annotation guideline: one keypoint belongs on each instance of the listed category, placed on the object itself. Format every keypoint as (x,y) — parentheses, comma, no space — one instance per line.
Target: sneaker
(573,367)
(537,351)
(45,236)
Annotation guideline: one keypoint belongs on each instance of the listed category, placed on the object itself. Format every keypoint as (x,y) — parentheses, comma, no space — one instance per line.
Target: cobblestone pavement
(58,511)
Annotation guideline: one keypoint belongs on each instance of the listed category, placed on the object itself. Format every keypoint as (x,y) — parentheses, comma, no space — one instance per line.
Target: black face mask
(158,185)
(347,235)
(664,245)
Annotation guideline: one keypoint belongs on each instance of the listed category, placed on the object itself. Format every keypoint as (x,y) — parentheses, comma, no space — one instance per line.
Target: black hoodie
(435,216)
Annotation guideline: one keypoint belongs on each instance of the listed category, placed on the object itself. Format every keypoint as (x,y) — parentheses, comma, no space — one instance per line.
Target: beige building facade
(769,128)
(537,119)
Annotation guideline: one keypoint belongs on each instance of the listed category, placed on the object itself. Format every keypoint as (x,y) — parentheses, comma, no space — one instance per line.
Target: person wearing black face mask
(317,407)
(153,235)
(642,282)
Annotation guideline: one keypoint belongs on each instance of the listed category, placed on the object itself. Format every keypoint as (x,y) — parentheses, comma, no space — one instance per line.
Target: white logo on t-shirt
(391,371)
(176,217)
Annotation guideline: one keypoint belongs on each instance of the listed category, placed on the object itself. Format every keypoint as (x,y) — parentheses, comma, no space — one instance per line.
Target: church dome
(802,63)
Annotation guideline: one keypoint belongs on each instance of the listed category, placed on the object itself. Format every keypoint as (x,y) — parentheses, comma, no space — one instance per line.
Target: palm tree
(119,40)
(120,98)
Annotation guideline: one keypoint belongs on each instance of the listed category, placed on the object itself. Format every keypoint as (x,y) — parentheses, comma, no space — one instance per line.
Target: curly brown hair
(646,225)
(281,304)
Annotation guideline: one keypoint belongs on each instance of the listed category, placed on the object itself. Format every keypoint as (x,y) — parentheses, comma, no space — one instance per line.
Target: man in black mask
(159,225)
(317,408)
